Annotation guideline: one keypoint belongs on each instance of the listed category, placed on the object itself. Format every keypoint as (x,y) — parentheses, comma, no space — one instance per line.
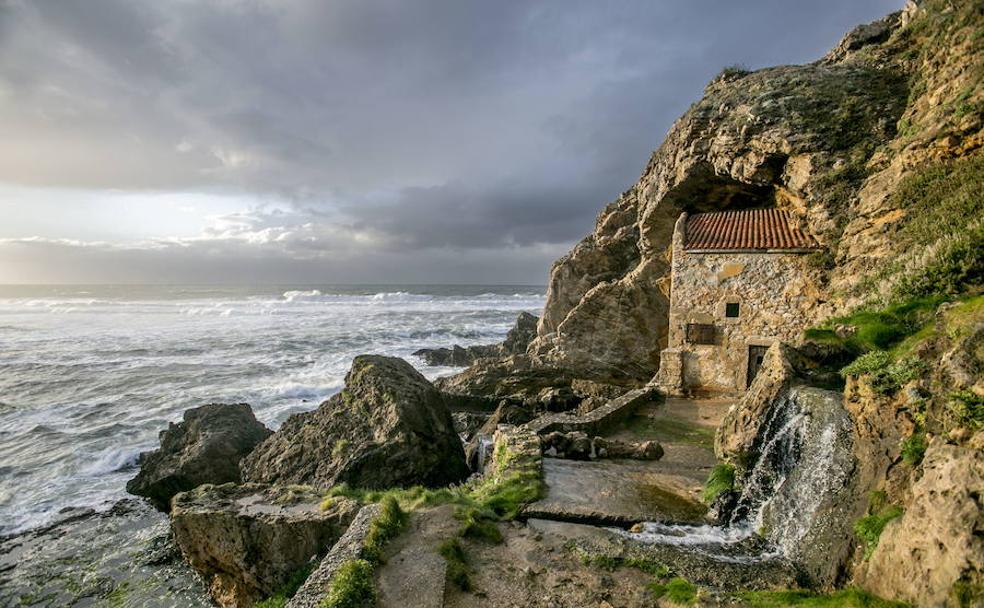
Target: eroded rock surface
(247,540)
(205,447)
(388,427)
(934,554)
(516,342)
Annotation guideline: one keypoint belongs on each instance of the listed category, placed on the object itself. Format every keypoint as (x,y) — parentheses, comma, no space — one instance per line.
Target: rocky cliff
(871,148)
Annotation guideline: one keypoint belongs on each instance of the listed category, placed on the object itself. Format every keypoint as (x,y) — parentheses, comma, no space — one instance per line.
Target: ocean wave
(112,460)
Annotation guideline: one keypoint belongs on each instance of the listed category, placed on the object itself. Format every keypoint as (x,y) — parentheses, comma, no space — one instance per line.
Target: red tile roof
(751,229)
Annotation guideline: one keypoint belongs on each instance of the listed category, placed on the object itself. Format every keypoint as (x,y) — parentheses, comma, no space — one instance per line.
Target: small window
(700,333)
(731,310)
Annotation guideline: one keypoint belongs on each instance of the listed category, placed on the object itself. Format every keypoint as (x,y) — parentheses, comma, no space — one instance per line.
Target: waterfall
(789,496)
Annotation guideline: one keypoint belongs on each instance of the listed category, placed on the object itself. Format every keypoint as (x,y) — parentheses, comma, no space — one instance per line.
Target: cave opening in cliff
(704,190)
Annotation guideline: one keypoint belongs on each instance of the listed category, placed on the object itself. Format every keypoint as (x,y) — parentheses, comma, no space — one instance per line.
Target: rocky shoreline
(562,468)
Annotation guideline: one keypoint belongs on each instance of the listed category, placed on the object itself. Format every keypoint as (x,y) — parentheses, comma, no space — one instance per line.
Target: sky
(362,141)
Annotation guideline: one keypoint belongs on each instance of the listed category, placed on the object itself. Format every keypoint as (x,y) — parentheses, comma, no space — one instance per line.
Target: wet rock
(89,558)
(934,554)
(614,448)
(205,447)
(247,540)
(577,445)
(467,423)
(388,427)
(518,338)
(508,412)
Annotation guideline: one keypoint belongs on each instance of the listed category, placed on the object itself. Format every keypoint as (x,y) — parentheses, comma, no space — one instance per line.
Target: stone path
(623,492)
(414,574)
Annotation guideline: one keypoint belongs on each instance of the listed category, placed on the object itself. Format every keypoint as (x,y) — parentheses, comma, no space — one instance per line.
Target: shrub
(968,407)
(869,528)
(721,480)
(352,586)
(678,590)
(886,375)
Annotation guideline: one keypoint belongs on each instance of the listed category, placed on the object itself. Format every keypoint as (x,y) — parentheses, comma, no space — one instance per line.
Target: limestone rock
(511,377)
(247,540)
(388,427)
(205,447)
(934,554)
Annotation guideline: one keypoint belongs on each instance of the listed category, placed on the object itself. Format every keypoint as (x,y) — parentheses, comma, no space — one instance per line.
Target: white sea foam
(101,374)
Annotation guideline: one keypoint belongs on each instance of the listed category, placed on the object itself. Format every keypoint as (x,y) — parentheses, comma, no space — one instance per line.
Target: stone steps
(598,420)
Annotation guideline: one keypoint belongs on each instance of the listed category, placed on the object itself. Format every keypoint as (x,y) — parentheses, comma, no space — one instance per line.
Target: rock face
(388,427)
(831,142)
(205,447)
(934,554)
(247,540)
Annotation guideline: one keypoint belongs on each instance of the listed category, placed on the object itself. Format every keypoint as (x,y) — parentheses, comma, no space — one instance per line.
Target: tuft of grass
(287,591)
(678,590)
(458,571)
(340,447)
(721,480)
(352,586)
(387,524)
(845,598)
(478,523)
(870,527)
(914,448)
(612,563)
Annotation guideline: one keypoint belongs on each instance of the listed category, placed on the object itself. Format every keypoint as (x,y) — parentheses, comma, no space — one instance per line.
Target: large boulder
(205,447)
(934,554)
(247,540)
(388,427)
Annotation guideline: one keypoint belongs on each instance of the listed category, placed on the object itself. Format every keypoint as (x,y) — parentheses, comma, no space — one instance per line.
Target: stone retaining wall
(596,421)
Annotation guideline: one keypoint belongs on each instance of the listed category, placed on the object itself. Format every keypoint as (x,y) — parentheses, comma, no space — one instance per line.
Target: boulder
(205,447)
(576,445)
(388,427)
(247,540)
(934,554)
(507,413)
(516,342)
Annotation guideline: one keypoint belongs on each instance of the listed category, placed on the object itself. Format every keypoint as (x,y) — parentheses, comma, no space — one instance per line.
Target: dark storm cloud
(437,123)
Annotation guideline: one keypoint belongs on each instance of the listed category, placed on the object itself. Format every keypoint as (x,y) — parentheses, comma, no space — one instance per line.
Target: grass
(845,598)
(459,573)
(612,563)
(352,586)
(287,591)
(914,448)
(678,590)
(878,329)
(870,527)
(721,480)
(387,524)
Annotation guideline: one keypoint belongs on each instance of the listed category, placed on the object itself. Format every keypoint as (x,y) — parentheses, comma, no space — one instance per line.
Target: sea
(89,375)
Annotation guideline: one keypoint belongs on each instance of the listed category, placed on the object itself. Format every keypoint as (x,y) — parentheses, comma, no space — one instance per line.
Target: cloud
(415,126)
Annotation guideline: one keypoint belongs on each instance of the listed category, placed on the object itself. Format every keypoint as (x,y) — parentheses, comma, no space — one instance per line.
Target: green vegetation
(287,591)
(968,408)
(845,598)
(734,71)
(459,573)
(942,231)
(339,448)
(886,375)
(352,586)
(387,524)
(869,528)
(612,563)
(914,448)
(721,480)
(878,329)
(670,429)
(678,590)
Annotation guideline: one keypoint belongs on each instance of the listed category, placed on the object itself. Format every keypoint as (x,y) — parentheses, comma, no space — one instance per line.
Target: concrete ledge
(349,546)
(596,421)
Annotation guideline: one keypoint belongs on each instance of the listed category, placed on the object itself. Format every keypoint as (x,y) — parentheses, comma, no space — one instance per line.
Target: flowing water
(90,375)
(790,493)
